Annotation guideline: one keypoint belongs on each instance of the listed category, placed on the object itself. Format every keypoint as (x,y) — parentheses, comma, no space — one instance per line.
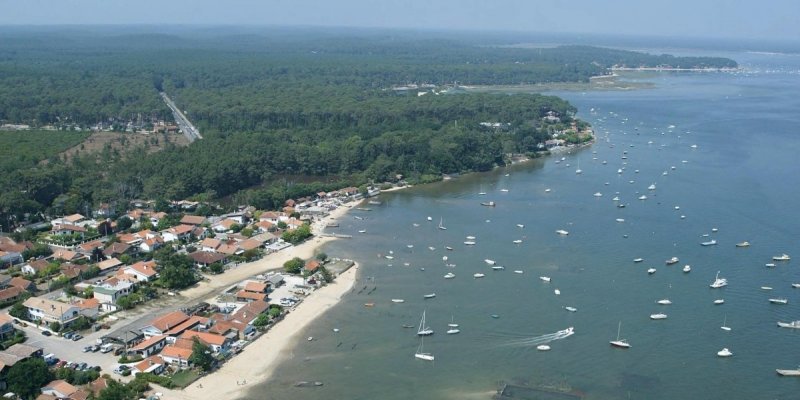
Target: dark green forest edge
(284,113)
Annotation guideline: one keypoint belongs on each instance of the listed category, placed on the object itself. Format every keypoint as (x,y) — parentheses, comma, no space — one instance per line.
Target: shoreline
(256,363)
(275,346)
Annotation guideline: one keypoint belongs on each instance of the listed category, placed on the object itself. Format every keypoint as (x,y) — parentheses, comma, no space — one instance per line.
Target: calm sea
(721,149)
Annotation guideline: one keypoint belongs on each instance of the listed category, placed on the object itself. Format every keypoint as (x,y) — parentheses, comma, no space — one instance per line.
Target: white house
(111,290)
(143,271)
(46,310)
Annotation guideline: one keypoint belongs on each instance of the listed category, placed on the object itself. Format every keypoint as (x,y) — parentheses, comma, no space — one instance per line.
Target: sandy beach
(258,360)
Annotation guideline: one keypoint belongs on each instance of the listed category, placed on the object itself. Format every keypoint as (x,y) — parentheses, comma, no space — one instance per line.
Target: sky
(765,19)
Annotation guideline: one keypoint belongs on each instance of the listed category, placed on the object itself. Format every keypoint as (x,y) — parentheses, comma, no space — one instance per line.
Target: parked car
(67,335)
(121,369)
(82,366)
(46,333)
(61,363)
(77,337)
(95,348)
(87,349)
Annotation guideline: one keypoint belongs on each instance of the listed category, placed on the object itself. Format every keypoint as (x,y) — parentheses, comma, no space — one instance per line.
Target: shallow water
(741,178)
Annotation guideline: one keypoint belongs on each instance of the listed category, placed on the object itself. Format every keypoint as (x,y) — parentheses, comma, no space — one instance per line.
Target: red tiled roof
(193,219)
(153,341)
(169,321)
(242,294)
(18,282)
(186,325)
(176,352)
(207,338)
(258,287)
(10,293)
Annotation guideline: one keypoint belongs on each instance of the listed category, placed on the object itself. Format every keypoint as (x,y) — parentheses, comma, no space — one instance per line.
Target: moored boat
(478,275)
(743,244)
(711,242)
(658,316)
(449,275)
(664,302)
(673,260)
(687,268)
(781,300)
(718,282)
(620,343)
(651,271)
(782,257)
(562,232)
(788,372)
(790,325)
(724,352)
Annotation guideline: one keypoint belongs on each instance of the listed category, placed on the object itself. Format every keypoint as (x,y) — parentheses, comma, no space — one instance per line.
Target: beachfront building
(149,346)
(176,355)
(152,365)
(161,325)
(216,342)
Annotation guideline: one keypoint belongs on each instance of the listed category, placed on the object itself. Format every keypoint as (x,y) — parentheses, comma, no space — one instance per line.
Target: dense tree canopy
(283,113)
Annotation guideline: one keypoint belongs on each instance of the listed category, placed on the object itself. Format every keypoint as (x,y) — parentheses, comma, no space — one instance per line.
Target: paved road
(186,126)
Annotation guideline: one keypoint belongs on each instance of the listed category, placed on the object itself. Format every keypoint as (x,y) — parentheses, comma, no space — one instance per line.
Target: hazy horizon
(679,18)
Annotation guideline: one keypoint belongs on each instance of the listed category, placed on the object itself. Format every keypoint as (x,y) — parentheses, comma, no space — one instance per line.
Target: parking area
(69,350)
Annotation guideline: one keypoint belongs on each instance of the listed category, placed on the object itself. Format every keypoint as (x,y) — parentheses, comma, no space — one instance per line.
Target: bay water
(721,150)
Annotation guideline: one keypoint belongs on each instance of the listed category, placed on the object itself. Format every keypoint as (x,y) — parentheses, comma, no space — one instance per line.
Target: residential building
(47,311)
(149,346)
(179,356)
(111,290)
(164,323)
(204,258)
(88,307)
(35,267)
(11,294)
(6,326)
(195,220)
(144,271)
(153,365)
(117,249)
(216,342)
(61,390)
(109,265)
(22,283)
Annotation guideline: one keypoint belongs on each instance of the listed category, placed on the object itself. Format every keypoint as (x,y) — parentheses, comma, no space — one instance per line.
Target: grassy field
(25,149)
(184,378)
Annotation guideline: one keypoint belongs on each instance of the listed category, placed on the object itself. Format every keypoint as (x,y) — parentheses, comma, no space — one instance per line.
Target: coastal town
(166,296)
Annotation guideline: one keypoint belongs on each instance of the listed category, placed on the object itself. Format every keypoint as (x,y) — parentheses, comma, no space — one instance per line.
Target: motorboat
(519,271)
(562,232)
(711,242)
(547,190)
(673,260)
(724,352)
(743,244)
(651,271)
(782,257)
(780,300)
(570,309)
(449,275)
(790,325)
(770,265)
(687,268)
(543,347)
(652,187)
(664,302)
(398,301)
(490,262)
(638,260)
(545,278)
(498,267)
(788,372)
(518,241)
(796,285)
(658,316)
(469,243)
(520,226)
(557,292)
(429,296)
(642,197)
(718,282)
(620,220)
(719,302)
(478,275)
(766,288)
(488,204)
(598,194)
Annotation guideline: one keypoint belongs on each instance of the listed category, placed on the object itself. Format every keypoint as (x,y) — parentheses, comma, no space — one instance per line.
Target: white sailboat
(420,354)
(621,343)
(725,326)
(441,226)
(424,330)
(452,327)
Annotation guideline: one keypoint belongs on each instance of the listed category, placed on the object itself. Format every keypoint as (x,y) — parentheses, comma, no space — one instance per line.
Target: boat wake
(543,339)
